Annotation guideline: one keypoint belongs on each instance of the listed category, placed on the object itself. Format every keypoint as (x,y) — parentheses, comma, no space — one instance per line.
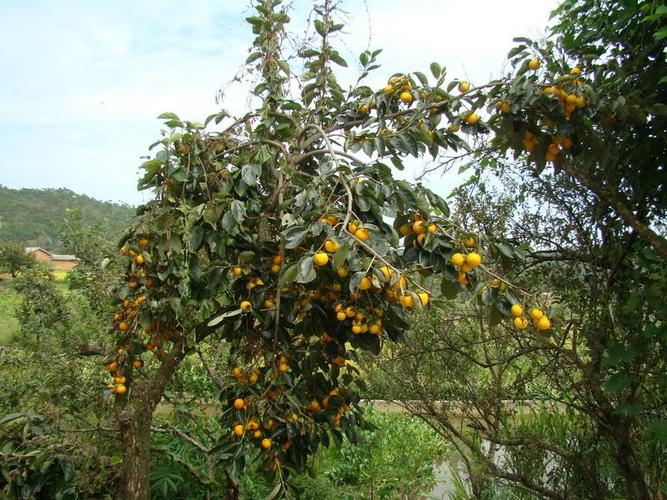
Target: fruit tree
(284,233)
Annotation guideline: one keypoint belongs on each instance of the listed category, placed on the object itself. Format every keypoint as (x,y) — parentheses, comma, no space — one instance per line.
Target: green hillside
(33,217)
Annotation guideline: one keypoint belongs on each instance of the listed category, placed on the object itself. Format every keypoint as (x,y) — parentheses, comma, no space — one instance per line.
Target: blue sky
(82,82)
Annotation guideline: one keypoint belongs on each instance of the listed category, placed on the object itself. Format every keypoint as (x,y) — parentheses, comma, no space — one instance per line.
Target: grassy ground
(9,301)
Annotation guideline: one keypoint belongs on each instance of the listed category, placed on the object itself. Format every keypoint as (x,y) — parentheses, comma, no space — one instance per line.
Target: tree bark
(135,432)
(635,481)
(134,414)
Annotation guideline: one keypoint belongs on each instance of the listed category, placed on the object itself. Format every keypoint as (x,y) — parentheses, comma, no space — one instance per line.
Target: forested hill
(33,217)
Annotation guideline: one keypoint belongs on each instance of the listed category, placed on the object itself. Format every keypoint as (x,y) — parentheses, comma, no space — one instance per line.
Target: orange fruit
(266,443)
(239,404)
(331,246)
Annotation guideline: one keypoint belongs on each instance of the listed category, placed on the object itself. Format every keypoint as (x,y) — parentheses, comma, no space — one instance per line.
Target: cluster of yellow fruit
(138,282)
(400,83)
(569,92)
(419,228)
(540,320)
(465,263)
(360,323)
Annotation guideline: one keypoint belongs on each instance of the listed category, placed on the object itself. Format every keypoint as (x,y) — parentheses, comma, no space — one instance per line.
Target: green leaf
(253,57)
(238,211)
(289,275)
(450,289)
(306,271)
(436,69)
(228,314)
(168,116)
(618,382)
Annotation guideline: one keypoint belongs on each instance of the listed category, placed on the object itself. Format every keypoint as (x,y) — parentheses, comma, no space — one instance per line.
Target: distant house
(55,261)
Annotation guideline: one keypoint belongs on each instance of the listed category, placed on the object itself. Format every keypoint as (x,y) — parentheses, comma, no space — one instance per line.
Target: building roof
(52,256)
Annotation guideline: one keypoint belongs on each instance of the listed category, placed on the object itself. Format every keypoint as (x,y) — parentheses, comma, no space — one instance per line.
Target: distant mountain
(33,217)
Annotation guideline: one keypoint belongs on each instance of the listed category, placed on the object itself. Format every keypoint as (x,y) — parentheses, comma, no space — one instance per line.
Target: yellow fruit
(534,64)
(283,367)
(419,227)
(123,326)
(472,118)
(137,363)
(236,270)
(432,228)
(406,97)
(239,430)
(505,107)
(275,268)
(520,323)
(419,241)
(517,310)
(362,109)
(581,101)
(388,89)
(473,259)
(237,372)
(424,298)
(575,71)
(462,278)
(550,90)
(330,219)
(120,389)
(405,229)
(239,404)
(458,259)
(252,379)
(543,323)
(321,259)
(266,443)
(402,283)
(245,305)
(536,313)
(356,329)
(341,316)
(143,242)
(268,304)
(350,312)
(365,283)
(314,405)
(406,301)
(361,234)
(375,329)
(387,272)
(139,259)
(464,87)
(257,434)
(469,242)
(331,246)
(352,227)
(342,272)
(277,260)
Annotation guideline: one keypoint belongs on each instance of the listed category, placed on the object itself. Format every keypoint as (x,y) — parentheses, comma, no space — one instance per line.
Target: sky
(82,82)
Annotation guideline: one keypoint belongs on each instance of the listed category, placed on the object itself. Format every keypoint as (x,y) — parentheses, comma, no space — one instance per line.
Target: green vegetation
(33,217)
(276,279)
(9,303)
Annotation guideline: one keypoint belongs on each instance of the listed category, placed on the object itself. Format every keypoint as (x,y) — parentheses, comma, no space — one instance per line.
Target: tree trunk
(633,473)
(135,432)
(134,416)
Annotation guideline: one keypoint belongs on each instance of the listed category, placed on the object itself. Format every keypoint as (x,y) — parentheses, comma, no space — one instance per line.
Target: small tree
(13,259)
(272,235)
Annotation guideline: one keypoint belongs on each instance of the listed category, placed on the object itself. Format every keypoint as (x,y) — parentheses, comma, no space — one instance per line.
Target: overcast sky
(82,82)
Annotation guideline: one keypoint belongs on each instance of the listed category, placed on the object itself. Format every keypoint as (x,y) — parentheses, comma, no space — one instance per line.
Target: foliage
(9,303)
(32,217)
(42,307)
(13,259)
(32,465)
(273,236)
(395,458)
